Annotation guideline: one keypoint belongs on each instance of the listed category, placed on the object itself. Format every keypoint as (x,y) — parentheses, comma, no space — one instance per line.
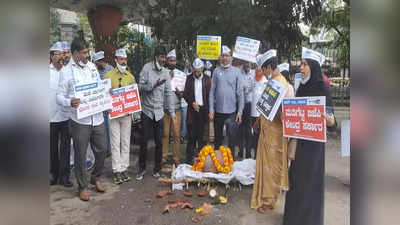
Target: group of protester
(227,96)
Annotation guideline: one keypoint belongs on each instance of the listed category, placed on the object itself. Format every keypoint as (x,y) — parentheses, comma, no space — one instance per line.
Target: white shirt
(72,75)
(259,87)
(183,102)
(56,112)
(198,90)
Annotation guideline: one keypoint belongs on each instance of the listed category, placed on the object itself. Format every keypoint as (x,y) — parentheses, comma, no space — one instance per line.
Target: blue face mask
(305,80)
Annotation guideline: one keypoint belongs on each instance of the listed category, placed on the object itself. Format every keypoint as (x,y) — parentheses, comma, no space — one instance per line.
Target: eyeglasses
(120,79)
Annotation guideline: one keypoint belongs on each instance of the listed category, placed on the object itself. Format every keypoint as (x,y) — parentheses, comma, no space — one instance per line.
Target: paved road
(136,202)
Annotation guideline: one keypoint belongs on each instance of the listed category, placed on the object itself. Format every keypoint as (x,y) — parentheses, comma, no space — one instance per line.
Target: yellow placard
(208,47)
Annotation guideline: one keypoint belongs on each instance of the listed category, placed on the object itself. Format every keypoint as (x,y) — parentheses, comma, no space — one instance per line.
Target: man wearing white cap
(196,93)
(89,129)
(66,52)
(169,122)
(120,128)
(103,67)
(284,68)
(59,121)
(226,98)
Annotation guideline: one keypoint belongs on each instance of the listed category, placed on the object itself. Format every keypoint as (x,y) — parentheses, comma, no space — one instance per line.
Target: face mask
(304,80)
(82,63)
(121,68)
(259,75)
(171,66)
(226,66)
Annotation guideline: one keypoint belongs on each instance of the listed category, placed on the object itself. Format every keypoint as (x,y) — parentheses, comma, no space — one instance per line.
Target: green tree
(336,17)
(54,29)
(273,22)
(84,29)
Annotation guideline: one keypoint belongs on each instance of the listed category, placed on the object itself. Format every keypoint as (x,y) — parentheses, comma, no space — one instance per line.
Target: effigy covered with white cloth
(242,171)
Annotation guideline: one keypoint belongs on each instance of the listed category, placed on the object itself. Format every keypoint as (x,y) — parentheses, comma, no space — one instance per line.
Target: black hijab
(316,85)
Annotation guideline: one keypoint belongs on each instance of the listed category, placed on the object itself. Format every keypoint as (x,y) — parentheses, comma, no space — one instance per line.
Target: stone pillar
(68,25)
(105,22)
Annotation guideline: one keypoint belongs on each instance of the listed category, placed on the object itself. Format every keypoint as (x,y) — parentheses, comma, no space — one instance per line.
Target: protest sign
(246,49)
(271,99)
(208,47)
(125,101)
(297,80)
(303,118)
(178,81)
(94,97)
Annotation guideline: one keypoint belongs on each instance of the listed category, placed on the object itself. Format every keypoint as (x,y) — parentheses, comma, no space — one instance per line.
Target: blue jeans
(183,122)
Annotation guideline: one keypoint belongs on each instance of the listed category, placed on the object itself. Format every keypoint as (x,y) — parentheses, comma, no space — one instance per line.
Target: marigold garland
(208,150)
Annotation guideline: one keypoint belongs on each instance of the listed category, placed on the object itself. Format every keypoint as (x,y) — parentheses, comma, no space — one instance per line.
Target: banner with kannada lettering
(271,99)
(303,118)
(246,49)
(125,101)
(208,47)
(94,98)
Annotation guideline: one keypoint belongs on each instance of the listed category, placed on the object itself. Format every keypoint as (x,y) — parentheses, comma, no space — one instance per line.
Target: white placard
(246,49)
(178,81)
(94,97)
(297,80)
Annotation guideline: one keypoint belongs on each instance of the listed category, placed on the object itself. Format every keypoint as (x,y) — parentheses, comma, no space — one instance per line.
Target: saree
(272,161)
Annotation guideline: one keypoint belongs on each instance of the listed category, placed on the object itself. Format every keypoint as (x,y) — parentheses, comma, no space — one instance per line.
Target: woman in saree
(272,160)
(305,199)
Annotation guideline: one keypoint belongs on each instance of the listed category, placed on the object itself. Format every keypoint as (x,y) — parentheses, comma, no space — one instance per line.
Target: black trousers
(196,133)
(245,137)
(150,125)
(82,136)
(231,129)
(255,136)
(60,143)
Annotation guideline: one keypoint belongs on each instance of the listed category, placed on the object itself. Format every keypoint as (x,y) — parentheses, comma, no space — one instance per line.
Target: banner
(94,98)
(246,49)
(208,47)
(125,100)
(303,118)
(178,81)
(271,99)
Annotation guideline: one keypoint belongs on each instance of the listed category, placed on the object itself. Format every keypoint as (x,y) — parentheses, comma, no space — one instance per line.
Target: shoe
(156,175)
(84,195)
(66,183)
(99,187)
(182,140)
(125,177)
(117,178)
(139,176)
(108,154)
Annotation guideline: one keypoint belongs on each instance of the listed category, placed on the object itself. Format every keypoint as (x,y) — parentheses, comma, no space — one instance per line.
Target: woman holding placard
(305,199)
(272,160)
